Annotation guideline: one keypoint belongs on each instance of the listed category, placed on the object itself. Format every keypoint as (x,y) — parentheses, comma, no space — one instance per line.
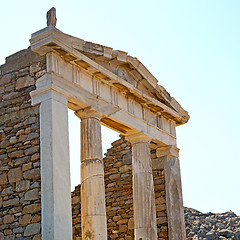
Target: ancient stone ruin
(134,192)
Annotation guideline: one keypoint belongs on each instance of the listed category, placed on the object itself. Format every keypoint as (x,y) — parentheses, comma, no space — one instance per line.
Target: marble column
(167,159)
(145,224)
(56,220)
(93,206)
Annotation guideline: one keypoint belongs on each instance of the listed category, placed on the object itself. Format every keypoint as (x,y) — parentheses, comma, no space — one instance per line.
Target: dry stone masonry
(20,185)
(135,192)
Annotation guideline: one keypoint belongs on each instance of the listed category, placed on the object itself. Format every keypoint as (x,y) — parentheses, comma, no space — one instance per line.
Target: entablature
(88,56)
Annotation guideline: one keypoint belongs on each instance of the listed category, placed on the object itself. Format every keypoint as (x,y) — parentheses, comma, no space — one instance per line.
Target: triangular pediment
(117,66)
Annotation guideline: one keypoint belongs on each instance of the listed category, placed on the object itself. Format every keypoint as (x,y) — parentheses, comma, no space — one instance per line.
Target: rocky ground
(211,226)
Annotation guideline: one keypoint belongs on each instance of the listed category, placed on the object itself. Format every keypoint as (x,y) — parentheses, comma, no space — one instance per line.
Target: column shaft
(55,169)
(145,224)
(168,159)
(93,207)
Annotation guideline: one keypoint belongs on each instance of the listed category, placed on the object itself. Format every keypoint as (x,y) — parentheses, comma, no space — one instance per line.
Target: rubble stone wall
(20,187)
(119,195)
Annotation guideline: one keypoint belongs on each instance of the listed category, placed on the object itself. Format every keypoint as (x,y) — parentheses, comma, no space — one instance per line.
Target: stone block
(33,208)
(5,79)
(7,191)
(27,166)
(16,154)
(32,195)
(32,174)
(32,229)
(8,219)
(31,150)
(24,82)
(123,228)
(3,179)
(25,219)
(15,175)
(11,202)
(38,237)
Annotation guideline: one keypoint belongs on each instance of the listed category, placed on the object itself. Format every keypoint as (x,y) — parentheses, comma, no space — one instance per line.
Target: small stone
(33,208)
(32,229)
(32,195)
(32,174)
(8,219)
(38,237)
(25,219)
(5,79)
(11,202)
(16,154)
(24,82)
(3,179)
(13,140)
(27,166)
(22,186)
(15,175)
(123,228)
(31,150)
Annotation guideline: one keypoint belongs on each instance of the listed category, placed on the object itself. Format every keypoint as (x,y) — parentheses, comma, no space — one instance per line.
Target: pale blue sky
(192,47)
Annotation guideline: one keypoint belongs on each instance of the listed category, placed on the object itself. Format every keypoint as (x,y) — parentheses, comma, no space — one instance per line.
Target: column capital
(88,112)
(167,151)
(49,86)
(138,137)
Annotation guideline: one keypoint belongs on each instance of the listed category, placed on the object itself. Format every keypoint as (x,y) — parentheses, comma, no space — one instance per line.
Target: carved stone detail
(51,17)
(96,84)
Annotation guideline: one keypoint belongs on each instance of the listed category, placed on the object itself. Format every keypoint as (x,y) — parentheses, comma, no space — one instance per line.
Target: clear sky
(193,49)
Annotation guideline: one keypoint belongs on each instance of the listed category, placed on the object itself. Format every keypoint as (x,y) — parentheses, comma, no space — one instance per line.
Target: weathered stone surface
(32,174)
(32,150)
(5,79)
(32,229)
(17,154)
(11,202)
(25,219)
(24,82)
(3,179)
(22,185)
(32,195)
(20,60)
(19,132)
(33,208)
(15,174)
(8,219)
(26,166)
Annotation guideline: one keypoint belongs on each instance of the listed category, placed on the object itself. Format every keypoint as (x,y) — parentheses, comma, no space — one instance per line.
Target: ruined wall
(119,195)
(20,199)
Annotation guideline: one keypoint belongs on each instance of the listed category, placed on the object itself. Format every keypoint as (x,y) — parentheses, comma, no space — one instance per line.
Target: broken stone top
(51,17)
(112,66)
